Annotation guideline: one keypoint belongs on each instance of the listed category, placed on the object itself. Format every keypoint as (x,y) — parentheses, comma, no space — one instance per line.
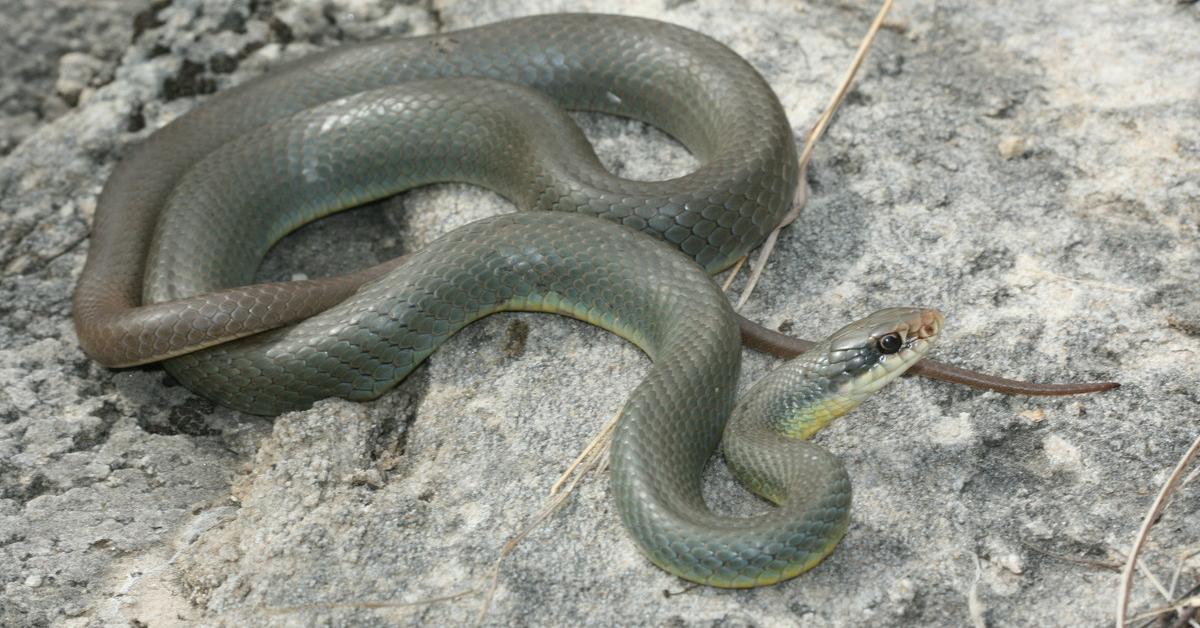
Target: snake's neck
(799,398)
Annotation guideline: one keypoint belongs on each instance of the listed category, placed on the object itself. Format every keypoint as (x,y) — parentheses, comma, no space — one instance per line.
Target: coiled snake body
(190,214)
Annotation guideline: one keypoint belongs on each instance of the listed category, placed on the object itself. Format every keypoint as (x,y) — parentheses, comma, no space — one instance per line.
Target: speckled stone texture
(1032,170)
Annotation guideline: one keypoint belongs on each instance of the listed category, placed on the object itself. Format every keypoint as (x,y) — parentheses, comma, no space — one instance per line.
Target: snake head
(839,373)
(866,355)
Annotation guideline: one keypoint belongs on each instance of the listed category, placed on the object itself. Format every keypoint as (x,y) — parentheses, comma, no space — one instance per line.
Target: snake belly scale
(189,215)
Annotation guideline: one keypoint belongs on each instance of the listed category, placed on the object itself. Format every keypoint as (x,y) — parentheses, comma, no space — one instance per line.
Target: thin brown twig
(1184,555)
(1141,565)
(733,273)
(1156,509)
(589,454)
(691,586)
(810,143)
(974,606)
(1176,606)
(280,610)
(1191,476)
(1086,562)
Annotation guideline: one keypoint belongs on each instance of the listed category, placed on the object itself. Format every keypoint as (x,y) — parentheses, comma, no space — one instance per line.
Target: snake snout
(929,325)
(917,328)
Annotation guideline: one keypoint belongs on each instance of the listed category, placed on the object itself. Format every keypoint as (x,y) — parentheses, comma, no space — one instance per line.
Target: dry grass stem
(1184,555)
(282,610)
(590,454)
(733,273)
(1156,509)
(1085,562)
(1191,476)
(810,143)
(974,606)
(1172,608)
(1141,566)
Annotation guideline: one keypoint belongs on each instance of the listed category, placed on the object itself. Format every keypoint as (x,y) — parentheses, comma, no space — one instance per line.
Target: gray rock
(78,72)
(1034,173)
(36,38)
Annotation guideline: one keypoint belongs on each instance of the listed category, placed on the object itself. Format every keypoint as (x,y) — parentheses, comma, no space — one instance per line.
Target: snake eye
(890,343)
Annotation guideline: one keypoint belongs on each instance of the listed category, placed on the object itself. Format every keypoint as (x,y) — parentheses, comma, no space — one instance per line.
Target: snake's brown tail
(958,375)
(782,345)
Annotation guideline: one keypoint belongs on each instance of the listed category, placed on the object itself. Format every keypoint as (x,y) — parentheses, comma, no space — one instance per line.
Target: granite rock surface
(1032,170)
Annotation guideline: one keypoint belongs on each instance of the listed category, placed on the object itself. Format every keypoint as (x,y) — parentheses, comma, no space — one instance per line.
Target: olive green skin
(508,138)
(362,122)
